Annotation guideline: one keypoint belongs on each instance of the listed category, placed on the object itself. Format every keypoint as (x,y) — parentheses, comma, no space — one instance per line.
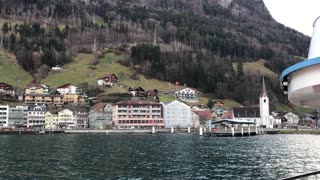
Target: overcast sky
(297,14)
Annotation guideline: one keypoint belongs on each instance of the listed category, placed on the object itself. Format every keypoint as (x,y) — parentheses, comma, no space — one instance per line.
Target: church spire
(263,90)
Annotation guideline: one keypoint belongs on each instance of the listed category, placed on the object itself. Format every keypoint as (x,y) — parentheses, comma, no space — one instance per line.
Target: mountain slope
(194,42)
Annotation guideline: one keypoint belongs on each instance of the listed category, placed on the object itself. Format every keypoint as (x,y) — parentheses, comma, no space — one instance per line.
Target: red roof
(137,102)
(99,107)
(6,86)
(203,114)
(30,85)
(109,75)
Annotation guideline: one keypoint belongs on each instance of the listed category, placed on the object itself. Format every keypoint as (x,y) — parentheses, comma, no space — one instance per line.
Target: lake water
(178,156)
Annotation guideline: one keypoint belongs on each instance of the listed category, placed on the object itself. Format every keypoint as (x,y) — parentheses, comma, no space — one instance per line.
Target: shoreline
(148,131)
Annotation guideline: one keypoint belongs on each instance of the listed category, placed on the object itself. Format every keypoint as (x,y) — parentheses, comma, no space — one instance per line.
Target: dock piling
(200,131)
(153,130)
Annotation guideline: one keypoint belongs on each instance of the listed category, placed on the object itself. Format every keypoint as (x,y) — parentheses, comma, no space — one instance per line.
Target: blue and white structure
(302,81)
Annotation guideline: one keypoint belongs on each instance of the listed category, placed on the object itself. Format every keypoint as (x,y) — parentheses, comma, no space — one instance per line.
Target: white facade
(179,115)
(67,119)
(69,89)
(36,116)
(101,82)
(187,94)
(4,116)
(264,111)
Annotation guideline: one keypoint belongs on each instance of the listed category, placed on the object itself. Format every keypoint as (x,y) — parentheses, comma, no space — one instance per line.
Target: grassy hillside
(256,68)
(79,71)
(11,72)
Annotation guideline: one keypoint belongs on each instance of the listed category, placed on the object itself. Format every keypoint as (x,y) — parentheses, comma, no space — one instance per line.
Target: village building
(82,118)
(153,93)
(100,116)
(4,116)
(248,114)
(49,99)
(57,68)
(290,119)
(6,90)
(187,95)
(66,119)
(136,113)
(70,98)
(69,89)
(36,88)
(36,116)
(205,117)
(218,103)
(108,80)
(179,115)
(18,116)
(264,108)
(137,92)
(51,119)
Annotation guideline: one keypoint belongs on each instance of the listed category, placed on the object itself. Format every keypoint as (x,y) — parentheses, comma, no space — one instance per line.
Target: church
(259,115)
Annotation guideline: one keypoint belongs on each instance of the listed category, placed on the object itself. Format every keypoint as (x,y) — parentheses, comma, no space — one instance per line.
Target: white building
(4,116)
(264,108)
(187,94)
(67,119)
(179,115)
(69,89)
(36,116)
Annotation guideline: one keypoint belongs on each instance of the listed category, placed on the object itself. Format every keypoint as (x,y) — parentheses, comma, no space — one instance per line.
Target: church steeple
(264,107)
(263,90)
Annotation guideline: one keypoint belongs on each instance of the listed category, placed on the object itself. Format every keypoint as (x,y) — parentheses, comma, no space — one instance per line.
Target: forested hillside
(200,43)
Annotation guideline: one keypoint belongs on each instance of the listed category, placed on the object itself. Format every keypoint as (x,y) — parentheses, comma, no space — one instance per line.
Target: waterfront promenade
(213,133)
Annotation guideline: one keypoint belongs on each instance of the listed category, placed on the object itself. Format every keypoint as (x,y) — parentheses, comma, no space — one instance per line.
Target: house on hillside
(49,99)
(218,103)
(137,91)
(57,68)
(6,90)
(187,94)
(69,89)
(108,79)
(36,88)
(153,93)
